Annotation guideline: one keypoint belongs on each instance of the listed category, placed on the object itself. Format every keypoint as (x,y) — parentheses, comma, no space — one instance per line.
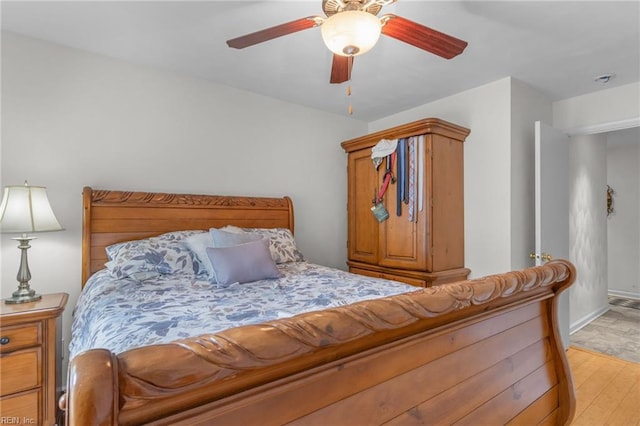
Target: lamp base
(23,295)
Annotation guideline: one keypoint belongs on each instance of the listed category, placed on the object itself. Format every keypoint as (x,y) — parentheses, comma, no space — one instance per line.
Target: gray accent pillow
(242,263)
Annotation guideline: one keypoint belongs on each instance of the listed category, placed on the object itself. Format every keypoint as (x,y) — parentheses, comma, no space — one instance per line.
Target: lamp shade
(26,209)
(351,33)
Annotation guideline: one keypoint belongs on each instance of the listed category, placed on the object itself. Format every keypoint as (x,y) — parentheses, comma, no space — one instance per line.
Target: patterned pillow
(164,254)
(282,245)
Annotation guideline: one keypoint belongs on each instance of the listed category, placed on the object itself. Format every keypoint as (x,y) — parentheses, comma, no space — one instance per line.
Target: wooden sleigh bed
(485,351)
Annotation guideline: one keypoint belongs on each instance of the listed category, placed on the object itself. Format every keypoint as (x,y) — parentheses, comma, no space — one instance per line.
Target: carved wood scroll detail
(234,358)
(166,199)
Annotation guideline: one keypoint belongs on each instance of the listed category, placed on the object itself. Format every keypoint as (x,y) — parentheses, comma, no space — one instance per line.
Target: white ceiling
(557,47)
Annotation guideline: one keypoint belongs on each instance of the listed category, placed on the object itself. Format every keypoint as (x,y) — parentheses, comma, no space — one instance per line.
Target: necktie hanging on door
(400,175)
(405,191)
(420,172)
(412,179)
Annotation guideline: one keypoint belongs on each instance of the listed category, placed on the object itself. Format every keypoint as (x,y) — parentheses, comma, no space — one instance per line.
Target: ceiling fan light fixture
(351,33)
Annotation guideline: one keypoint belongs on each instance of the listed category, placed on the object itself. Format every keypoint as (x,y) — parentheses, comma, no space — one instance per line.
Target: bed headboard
(114,216)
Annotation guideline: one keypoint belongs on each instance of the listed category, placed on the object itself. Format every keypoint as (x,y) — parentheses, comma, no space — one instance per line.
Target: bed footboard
(485,351)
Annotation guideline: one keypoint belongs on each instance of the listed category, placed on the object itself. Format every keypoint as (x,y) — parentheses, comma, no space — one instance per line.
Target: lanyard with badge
(384,149)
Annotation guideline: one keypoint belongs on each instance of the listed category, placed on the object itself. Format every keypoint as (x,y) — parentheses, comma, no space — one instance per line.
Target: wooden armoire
(424,252)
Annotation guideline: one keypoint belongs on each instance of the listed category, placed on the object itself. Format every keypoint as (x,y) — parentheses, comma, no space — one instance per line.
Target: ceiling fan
(352,27)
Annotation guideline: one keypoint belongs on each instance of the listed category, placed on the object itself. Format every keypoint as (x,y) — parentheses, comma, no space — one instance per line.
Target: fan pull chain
(350,109)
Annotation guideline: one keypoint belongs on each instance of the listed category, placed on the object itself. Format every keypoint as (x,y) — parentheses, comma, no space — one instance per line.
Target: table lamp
(26,209)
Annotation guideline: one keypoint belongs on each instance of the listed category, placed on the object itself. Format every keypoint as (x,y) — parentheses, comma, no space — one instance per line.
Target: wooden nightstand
(30,360)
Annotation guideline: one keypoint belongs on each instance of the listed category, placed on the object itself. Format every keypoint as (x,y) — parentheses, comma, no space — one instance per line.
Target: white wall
(498,168)
(83,119)
(486,111)
(71,119)
(623,225)
(609,109)
(528,105)
(618,106)
(588,228)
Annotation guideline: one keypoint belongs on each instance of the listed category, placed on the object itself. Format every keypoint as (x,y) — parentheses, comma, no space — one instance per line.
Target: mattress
(122,314)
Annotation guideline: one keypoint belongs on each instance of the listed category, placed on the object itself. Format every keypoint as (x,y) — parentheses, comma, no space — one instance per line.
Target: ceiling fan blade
(274,32)
(341,69)
(422,37)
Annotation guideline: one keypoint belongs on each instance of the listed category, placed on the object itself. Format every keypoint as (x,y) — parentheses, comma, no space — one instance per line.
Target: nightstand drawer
(30,360)
(20,370)
(23,407)
(20,336)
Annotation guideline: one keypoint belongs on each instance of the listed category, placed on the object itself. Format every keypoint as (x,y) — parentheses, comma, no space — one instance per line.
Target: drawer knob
(4,340)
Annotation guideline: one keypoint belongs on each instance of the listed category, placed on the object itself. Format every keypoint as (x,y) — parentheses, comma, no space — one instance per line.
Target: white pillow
(198,244)
(223,238)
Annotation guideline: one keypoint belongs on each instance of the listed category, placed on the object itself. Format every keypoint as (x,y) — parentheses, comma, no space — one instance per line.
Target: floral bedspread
(124,314)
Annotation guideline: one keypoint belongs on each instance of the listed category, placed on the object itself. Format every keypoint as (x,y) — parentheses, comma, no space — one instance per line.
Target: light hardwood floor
(607,389)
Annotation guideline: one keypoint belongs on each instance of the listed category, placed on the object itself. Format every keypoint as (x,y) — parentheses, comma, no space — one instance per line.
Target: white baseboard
(587,319)
(624,294)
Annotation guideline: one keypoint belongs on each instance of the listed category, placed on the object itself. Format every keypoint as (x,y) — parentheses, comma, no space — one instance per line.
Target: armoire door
(446,195)
(363,227)
(403,243)
(435,241)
